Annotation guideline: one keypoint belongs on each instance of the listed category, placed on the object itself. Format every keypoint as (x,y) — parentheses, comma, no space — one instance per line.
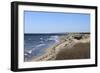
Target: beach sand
(78,51)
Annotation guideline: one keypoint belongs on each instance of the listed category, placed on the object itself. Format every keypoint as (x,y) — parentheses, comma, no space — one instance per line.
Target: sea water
(36,44)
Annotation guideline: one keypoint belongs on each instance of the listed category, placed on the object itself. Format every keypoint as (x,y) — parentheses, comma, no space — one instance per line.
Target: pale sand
(77,49)
(69,44)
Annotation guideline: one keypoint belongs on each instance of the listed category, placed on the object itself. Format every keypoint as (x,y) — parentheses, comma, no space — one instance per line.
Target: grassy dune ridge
(77,46)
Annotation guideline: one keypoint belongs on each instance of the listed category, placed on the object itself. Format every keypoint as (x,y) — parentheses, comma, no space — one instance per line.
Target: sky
(54,22)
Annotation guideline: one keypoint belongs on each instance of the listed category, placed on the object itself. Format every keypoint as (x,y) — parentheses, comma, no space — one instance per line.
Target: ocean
(36,44)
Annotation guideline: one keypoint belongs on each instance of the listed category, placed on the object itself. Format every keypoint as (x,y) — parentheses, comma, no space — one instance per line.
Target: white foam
(30,51)
(55,38)
(40,45)
(41,38)
(25,54)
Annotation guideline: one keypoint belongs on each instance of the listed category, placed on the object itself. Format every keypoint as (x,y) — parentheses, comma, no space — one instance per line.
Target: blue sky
(50,22)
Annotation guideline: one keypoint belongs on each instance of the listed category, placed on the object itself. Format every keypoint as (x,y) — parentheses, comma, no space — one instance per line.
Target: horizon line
(57,33)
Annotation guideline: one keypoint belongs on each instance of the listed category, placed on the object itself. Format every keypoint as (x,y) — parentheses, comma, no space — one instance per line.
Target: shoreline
(64,50)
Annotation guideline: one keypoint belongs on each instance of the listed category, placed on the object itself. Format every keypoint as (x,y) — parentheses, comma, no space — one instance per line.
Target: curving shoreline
(70,44)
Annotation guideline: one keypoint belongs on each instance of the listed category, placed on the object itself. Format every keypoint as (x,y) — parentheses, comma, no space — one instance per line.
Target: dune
(78,51)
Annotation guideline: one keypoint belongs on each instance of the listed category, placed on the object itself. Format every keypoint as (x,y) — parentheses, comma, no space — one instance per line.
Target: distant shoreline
(57,33)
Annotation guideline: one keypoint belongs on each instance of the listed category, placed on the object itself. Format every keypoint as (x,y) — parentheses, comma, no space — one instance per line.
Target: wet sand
(78,51)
